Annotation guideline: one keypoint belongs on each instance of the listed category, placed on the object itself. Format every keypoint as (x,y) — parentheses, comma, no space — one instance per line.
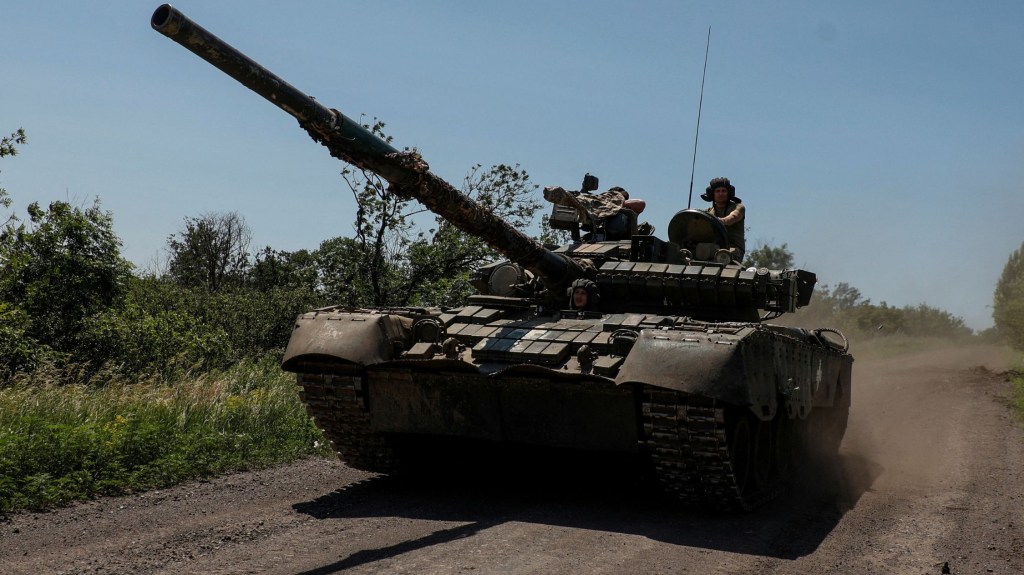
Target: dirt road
(932,475)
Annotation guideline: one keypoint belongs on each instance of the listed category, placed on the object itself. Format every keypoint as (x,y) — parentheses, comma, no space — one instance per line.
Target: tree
(773,258)
(383,232)
(440,266)
(64,266)
(211,251)
(280,269)
(388,262)
(9,147)
(9,144)
(1008,300)
(340,262)
(846,297)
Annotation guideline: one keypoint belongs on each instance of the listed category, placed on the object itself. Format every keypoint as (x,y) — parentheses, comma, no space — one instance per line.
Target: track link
(338,406)
(688,441)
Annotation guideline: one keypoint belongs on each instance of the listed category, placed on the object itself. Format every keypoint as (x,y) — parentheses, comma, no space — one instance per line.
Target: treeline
(843,307)
(68,296)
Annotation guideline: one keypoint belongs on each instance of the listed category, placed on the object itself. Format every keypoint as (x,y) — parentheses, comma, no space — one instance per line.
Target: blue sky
(882,141)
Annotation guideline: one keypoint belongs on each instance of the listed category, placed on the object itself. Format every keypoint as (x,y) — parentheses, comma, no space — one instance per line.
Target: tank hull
(722,415)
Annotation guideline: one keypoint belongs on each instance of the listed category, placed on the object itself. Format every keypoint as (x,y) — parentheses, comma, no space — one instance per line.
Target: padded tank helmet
(720,182)
(593,295)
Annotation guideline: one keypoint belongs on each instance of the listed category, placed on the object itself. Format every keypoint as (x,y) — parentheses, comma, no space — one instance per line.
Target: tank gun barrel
(347,140)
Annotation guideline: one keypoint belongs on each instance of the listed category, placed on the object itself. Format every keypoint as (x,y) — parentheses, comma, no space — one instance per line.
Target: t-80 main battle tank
(674,368)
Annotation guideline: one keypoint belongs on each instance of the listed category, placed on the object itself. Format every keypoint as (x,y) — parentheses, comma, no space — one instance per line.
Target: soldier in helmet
(729,210)
(583,295)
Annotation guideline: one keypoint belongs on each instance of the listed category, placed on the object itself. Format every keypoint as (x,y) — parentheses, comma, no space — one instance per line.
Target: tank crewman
(583,295)
(595,206)
(637,205)
(729,210)
(604,206)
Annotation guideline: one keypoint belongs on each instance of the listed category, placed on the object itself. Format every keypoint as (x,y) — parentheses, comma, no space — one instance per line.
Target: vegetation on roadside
(114,380)
(1017,378)
(64,439)
(1018,382)
(1008,300)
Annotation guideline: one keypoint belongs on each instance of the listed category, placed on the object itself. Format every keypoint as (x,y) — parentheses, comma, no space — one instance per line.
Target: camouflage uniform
(596,206)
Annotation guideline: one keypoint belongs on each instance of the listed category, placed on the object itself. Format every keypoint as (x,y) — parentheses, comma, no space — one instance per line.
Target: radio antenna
(700,105)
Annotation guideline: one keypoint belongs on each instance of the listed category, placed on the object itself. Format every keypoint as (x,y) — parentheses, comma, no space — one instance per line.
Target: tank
(676,370)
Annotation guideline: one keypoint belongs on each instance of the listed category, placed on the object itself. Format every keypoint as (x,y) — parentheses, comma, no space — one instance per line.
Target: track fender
(358,338)
(689,363)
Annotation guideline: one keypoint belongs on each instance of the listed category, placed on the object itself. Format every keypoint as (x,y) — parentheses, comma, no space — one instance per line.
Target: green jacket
(734,231)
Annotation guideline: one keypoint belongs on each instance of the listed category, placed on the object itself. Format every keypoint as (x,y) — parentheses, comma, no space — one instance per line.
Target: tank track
(337,405)
(687,440)
(685,437)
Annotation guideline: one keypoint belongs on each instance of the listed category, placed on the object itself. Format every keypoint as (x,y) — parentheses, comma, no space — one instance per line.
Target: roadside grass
(1017,376)
(61,442)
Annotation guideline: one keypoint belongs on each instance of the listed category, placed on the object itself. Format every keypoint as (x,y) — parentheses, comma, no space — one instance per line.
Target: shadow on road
(570,495)
(373,555)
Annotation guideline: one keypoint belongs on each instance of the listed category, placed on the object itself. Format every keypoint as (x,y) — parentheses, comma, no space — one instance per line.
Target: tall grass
(62,440)
(1017,376)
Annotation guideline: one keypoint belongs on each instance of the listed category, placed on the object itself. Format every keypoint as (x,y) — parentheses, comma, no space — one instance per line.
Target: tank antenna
(699,106)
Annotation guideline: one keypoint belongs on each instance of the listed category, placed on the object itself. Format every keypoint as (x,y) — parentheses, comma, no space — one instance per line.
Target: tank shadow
(597,496)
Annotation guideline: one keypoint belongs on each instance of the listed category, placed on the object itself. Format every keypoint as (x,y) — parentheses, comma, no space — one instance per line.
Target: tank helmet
(593,295)
(720,182)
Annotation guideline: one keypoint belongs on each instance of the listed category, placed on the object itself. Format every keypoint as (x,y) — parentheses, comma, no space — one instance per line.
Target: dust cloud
(907,412)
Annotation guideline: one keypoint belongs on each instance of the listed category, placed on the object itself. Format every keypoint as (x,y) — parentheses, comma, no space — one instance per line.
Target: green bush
(62,267)
(144,341)
(163,327)
(66,442)
(18,350)
(256,321)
